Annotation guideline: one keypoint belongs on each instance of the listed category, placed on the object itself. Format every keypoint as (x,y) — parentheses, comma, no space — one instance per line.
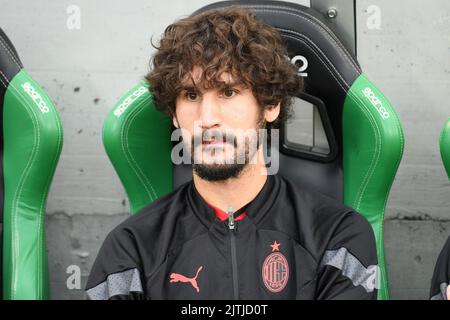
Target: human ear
(272,112)
(175,121)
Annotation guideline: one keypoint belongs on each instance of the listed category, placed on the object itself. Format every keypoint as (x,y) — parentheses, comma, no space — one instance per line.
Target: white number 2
(303,67)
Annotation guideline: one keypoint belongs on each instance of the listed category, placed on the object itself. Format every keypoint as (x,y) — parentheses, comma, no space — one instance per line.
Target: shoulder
(441,274)
(150,229)
(310,196)
(162,211)
(322,222)
(163,224)
(141,241)
(315,207)
(443,261)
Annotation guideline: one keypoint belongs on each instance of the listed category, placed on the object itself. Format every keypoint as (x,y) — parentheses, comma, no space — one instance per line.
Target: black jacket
(293,244)
(441,275)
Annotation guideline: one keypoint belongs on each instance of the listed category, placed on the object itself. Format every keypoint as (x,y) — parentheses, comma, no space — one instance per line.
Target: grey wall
(85,71)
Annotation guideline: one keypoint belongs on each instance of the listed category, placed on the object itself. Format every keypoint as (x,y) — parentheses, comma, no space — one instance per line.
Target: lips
(211,142)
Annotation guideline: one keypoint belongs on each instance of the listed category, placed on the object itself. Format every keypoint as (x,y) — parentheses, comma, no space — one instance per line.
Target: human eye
(191,95)
(229,92)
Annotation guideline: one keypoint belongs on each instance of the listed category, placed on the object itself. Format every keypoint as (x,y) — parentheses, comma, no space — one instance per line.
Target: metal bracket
(342,16)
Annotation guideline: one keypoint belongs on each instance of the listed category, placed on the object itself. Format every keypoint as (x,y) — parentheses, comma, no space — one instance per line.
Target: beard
(217,172)
(223,171)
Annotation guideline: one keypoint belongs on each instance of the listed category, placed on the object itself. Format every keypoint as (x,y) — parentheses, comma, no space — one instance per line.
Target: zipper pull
(230,218)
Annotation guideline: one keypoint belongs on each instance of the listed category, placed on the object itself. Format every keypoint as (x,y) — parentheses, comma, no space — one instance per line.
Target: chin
(218,172)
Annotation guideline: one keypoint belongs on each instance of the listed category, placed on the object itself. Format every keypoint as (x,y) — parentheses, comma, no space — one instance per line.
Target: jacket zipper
(231,227)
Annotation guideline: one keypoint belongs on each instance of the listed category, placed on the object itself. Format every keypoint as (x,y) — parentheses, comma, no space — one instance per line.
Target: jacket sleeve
(349,266)
(441,275)
(116,273)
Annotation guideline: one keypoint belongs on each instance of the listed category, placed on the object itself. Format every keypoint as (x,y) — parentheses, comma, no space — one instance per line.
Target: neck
(234,192)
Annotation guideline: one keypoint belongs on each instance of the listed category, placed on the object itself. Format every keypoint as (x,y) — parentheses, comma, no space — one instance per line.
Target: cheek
(186,116)
(244,114)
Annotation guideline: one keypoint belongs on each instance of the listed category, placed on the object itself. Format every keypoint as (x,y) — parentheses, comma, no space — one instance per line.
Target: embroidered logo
(275,270)
(176,277)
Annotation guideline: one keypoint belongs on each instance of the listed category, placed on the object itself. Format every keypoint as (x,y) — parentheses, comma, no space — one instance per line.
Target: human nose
(209,112)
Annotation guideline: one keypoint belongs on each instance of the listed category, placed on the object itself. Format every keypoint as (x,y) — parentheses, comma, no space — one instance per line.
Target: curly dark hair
(230,40)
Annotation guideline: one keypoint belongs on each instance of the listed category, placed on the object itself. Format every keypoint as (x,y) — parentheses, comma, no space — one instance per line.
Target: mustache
(211,134)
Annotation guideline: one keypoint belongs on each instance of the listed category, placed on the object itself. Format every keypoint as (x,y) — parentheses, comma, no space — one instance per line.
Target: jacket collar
(255,209)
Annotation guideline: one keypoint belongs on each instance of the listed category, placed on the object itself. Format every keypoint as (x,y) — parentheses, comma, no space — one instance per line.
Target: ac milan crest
(275,270)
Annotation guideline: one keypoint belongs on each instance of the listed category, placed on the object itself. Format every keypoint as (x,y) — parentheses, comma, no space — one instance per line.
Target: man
(440,284)
(233,232)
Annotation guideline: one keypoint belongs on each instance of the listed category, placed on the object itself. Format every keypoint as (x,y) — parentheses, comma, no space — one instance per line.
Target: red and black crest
(275,270)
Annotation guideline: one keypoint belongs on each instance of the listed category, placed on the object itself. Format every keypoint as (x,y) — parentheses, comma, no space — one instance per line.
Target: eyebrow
(192,87)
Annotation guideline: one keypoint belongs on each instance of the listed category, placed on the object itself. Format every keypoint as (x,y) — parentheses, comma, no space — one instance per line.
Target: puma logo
(176,277)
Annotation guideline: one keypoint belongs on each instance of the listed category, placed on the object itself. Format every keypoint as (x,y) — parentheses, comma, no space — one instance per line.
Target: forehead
(194,78)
